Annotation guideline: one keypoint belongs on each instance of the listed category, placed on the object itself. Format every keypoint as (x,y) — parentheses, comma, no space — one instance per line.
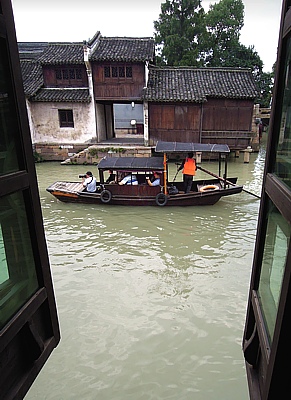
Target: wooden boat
(203,192)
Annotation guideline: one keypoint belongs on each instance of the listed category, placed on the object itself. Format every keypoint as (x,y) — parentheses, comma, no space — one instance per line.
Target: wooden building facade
(201,105)
(71,89)
(119,68)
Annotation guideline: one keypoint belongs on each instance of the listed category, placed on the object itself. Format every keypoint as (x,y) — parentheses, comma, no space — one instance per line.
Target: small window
(65,73)
(72,73)
(129,72)
(114,72)
(107,72)
(121,72)
(58,74)
(66,118)
(78,73)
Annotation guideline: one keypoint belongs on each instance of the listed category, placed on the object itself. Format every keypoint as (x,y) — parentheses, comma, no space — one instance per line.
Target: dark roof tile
(63,95)
(32,77)
(62,53)
(31,50)
(124,49)
(189,84)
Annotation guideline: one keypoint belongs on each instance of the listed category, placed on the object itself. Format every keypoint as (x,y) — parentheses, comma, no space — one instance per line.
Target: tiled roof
(188,84)
(32,77)
(63,95)
(124,49)
(31,50)
(62,53)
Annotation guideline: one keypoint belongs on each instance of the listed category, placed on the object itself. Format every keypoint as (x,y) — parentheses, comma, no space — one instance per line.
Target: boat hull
(143,195)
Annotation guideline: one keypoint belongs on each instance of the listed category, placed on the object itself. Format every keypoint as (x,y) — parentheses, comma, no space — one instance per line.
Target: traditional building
(71,90)
(200,105)
(71,87)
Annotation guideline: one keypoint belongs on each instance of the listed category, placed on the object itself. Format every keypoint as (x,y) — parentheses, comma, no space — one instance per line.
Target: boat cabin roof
(180,147)
(131,164)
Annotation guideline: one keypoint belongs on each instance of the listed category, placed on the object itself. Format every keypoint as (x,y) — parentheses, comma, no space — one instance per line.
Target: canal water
(151,300)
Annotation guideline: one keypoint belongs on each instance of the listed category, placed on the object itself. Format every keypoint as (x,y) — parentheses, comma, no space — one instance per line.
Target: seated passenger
(129,180)
(89,182)
(111,178)
(156,181)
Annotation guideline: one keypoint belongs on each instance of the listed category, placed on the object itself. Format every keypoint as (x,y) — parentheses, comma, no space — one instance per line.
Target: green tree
(178,32)
(223,21)
(187,36)
(265,85)
(244,57)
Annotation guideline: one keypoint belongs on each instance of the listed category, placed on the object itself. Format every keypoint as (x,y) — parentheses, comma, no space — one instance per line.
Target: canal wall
(84,154)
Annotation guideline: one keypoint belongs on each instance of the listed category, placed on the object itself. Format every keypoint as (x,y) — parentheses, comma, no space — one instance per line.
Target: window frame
(19,366)
(68,75)
(66,118)
(266,357)
(118,71)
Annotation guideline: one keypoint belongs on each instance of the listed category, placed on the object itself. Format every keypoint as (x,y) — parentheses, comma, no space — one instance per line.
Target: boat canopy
(131,164)
(179,147)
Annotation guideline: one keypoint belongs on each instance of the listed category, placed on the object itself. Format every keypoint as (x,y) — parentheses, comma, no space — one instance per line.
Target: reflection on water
(151,300)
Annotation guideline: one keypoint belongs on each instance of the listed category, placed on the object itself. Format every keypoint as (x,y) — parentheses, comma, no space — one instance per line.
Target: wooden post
(165,174)
(198,157)
(247,152)
(146,123)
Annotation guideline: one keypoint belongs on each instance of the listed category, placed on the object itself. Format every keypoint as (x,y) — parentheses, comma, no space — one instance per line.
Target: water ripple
(151,301)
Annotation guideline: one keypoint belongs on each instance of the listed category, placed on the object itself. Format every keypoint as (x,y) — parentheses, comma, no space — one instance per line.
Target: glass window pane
(273,266)
(122,72)
(283,154)
(114,72)
(107,72)
(58,74)
(65,74)
(72,73)
(9,129)
(78,73)
(129,72)
(18,280)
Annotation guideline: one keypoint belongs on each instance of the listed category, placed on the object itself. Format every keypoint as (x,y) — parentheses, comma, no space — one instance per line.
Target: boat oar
(229,182)
(176,173)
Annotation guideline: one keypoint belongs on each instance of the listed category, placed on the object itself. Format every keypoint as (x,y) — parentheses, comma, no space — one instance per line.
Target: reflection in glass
(283,154)
(9,129)
(4,275)
(18,280)
(273,266)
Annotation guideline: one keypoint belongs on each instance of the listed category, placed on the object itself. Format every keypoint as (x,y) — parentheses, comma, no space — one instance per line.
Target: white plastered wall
(46,125)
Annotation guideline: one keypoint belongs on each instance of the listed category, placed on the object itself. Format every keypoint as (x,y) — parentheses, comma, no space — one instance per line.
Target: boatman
(189,170)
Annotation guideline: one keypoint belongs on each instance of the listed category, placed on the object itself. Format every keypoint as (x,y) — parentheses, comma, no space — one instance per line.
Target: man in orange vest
(189,170)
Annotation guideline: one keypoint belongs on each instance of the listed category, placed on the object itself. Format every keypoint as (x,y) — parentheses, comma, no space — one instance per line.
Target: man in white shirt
(89,182)
(129,180)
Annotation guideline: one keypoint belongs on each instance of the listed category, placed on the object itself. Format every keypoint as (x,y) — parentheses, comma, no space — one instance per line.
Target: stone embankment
(93,154)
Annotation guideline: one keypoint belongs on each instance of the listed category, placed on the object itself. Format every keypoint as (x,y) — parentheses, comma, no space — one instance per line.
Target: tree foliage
(178,32)
(265,84)
(223,21)
(187,36)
